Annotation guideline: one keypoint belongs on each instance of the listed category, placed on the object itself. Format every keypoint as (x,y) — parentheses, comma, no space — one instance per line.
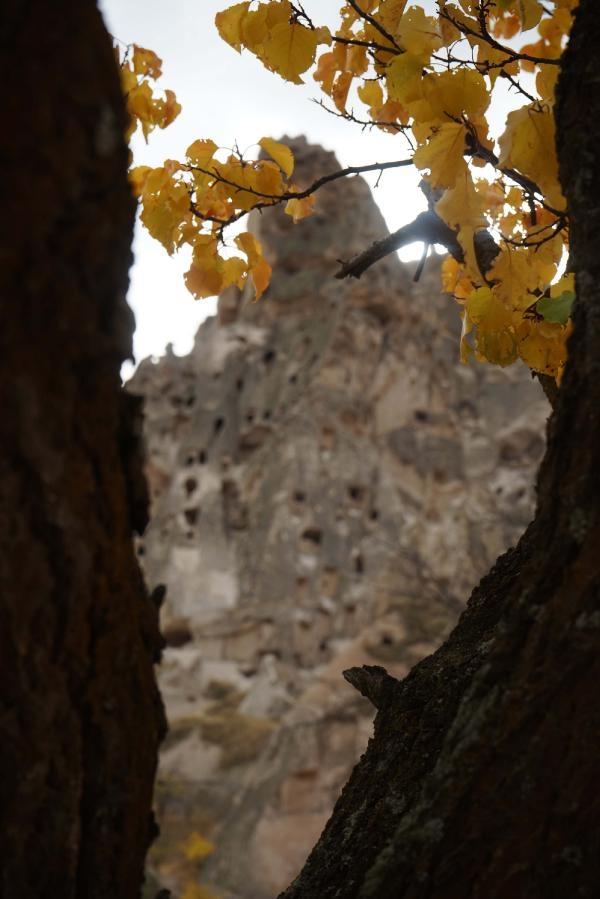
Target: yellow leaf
(198,891)
(389,14)
(495,338)
(403,78)
(566,284)
(282,155)
(300,209)
(258,268)
(170,110)
(485,308)
(339,91)
(139,104)
(234,271)
(371,93)
(455,93)
(138,177)
(201,152)
(128,79)
(229,24)
(513,270)
(528,145)
(261,276)
(265,177)
(443,155)
(203,282)
(419,34)
(542,346)
(326,70)
(197,847)
(146,62)
(462,205)
(357,61)
(454,279)
(165,210)
(289,49)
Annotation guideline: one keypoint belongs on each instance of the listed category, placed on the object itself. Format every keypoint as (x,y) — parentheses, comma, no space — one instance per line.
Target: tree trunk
(482,780)
(80,716)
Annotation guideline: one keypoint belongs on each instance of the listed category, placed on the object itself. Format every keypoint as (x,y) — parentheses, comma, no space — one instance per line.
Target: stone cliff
(328,483)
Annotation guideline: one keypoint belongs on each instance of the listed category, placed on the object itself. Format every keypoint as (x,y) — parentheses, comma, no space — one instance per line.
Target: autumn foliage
(428,81)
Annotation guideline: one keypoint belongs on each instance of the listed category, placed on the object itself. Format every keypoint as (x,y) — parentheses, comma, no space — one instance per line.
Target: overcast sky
(229,97)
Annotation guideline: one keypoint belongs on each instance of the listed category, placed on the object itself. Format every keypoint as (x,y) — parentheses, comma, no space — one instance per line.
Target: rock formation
(328,483)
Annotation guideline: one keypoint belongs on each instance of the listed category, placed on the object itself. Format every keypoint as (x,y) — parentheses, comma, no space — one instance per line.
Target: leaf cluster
(429,81)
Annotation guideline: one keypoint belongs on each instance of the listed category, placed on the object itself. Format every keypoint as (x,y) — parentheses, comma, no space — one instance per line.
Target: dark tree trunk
(482,780)
(80,716)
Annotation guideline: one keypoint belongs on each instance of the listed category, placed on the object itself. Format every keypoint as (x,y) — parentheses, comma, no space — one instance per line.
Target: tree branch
(274,199)
(484,35)
(427,227)
(377,25)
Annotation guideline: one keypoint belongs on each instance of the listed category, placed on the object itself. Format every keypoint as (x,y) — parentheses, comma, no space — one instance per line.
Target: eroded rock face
(328,484)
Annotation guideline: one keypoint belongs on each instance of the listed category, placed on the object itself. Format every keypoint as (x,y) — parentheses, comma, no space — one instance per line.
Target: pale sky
(230,97)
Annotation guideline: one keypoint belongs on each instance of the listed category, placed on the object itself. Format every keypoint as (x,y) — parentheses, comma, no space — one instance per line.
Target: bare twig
(274,199)
(484,35)
(377,25)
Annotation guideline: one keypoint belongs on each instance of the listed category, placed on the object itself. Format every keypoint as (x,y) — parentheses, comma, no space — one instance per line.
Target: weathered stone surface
(328,483)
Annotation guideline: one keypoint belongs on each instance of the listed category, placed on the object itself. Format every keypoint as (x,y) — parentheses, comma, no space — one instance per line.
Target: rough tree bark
(80,716)
(482,780)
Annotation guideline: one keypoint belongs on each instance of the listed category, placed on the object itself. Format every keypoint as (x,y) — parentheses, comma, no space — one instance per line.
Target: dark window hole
(373,514)
(218,424)
(250,417)
(268,357)
(359,565)
(190,485)
(191,515)
(267,415)
(239,385)
(421,415)
(356,493)
(299,496)
(313,535)
(202,457)
(292,379)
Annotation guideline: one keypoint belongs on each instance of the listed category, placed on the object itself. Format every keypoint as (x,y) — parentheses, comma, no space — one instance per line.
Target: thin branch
(350,117)
(377,25)
(301,194)
(487,37)
(477,149)
(274,199)
(516,84)
(422,261)
(356,42)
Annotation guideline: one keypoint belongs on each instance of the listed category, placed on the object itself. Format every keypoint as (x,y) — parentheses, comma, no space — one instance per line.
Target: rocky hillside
(328,483)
